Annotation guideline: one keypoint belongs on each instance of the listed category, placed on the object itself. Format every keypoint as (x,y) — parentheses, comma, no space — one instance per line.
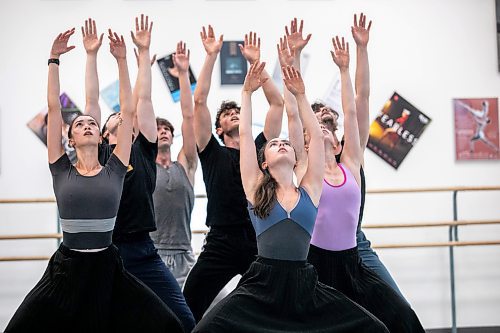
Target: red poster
(476,128)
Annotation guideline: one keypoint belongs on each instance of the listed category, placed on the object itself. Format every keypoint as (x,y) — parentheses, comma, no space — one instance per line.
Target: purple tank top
(338,213)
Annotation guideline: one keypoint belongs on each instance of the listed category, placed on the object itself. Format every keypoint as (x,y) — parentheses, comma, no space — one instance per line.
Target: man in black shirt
(135,217)
(230,246)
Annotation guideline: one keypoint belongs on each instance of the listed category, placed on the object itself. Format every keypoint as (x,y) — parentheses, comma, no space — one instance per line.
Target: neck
(330,159)
(284,177)
(164,157)
(232,140)
(87,158)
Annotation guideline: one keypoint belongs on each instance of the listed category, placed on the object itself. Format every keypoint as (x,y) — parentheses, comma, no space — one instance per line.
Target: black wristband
(53,61)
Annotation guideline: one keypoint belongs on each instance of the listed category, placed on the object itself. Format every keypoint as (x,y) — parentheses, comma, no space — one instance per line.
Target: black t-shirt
(136,212)
(227,204)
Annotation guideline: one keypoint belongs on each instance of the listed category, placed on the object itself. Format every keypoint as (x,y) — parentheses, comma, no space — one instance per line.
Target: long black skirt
(285,296)
(91,292)
(344,271)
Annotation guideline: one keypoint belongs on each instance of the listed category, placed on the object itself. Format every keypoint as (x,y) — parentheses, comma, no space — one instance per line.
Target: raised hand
(295,40)
(251,48)
(293,80)
(181,58)
(142,36)
(117,45)
(153,59)
(340,55)
(285,56)
(360,32)
(60,44)
(211,44)
(90,41)
(253,79)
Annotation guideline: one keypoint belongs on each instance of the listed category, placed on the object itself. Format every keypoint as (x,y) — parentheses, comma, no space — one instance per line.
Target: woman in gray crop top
(280,292)
(85,287)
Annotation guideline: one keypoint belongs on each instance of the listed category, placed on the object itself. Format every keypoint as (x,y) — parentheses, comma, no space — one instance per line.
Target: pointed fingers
(151,26)
(146,26)
(308,37)
(210,31)
(258,43)
(142,21)
(100,38)
(355,20)
(83,32)
(136,24)
(286,31)
(86,27)
(94,27)
(246,39)
(369,25)
(301,25)
(250,39)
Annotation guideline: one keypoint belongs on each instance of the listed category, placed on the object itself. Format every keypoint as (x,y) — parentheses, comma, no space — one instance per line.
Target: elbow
(200,99)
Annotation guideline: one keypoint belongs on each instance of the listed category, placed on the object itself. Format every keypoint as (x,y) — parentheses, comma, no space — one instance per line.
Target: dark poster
(396,130)
(233,66)
(171,76)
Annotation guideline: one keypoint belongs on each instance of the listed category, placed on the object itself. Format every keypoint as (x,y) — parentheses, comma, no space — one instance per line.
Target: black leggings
(228,251)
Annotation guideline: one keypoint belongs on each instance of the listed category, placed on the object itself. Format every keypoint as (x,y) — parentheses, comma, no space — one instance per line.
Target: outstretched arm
(352,152)
(54,125)
(249,167)
(91,43)
(296,41)
(313,178)
(202,120)
(274,116)
(146,121)
(295,130)
(187,156)
(127,107)
(361,35)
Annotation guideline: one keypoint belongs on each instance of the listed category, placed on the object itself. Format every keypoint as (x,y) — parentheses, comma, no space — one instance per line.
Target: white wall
(429,51)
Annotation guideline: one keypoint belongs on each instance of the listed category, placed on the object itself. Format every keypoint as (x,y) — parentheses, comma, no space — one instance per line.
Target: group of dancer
(284,213)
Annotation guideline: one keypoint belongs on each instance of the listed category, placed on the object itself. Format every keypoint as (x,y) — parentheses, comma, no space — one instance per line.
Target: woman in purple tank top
(333,249)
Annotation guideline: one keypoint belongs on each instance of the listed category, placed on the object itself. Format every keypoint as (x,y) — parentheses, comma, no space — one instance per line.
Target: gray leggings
(178,262)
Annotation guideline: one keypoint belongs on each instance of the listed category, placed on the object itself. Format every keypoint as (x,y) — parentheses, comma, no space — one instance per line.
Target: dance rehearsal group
(284,213)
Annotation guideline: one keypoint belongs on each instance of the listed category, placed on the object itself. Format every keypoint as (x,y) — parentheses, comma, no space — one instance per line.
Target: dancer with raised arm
(136,217)
(230,246)
(174,195)
(333,251)
(280,292)
(85,287)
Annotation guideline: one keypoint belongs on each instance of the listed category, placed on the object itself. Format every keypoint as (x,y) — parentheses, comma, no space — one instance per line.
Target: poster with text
(171,76)
(476,128)
(233,66)
(69,111)
(396,130)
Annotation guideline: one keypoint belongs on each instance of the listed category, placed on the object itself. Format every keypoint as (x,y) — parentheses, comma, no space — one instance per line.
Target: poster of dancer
(476,128)
(171,76)
(396,130)
(69,111)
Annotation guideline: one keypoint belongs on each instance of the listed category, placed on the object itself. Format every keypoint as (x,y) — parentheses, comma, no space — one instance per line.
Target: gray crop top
(87,204)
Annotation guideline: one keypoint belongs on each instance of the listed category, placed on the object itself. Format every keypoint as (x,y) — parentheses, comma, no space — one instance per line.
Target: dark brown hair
(317,106)
(265,194)
(165,122)
(225,105)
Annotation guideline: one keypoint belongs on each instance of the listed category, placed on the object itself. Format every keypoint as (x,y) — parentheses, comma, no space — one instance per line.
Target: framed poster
(171,76)
(476,128)
(69,111)
(233,66)
(396,130)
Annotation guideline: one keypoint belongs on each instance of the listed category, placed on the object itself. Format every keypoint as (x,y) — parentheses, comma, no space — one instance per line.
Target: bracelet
(53,61)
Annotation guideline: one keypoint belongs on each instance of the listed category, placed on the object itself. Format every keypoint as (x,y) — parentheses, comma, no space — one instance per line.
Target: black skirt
(344,271)
(285,296)
(91,292)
